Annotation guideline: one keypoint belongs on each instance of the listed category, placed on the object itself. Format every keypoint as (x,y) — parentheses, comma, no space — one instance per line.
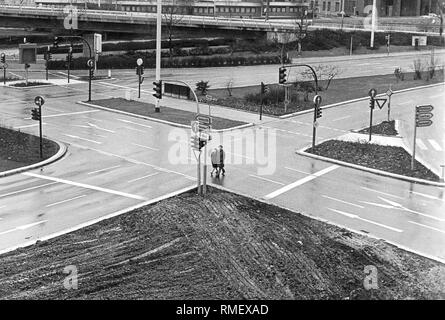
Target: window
(243,10)
(324,5)
(329,6)
(211,10)
(337,6)
(236,9)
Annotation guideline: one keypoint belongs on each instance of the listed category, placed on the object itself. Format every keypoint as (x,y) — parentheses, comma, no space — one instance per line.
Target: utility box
(28,53)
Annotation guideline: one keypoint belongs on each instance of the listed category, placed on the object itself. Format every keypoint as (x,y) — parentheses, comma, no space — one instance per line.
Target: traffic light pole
(40,132)
(413,158)
(139,75)
(158,46)
(370,117)
(314,129)
(4,75)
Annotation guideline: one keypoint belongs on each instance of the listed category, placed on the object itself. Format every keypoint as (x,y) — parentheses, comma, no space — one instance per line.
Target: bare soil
(386,128)
(223,246)
(387,158)
(18,149)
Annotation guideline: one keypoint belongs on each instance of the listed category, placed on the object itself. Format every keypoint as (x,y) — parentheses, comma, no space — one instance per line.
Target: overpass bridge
(123,21)
(52,18)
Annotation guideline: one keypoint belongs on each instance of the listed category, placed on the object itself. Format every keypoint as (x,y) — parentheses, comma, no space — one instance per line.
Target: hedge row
(129,62)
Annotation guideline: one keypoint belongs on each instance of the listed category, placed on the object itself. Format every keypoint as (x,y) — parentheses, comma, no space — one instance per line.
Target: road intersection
(117,161)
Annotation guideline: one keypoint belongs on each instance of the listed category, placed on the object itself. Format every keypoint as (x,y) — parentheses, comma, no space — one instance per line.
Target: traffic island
(221,246)
(167,115)
(18,150)
(386,128)
(380,158)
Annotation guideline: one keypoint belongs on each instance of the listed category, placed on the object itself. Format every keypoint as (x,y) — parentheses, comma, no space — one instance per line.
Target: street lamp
(90,62)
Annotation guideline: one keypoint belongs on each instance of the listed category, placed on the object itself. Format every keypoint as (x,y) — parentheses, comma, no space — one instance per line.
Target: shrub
(202,87)
(418,68)
(399,74)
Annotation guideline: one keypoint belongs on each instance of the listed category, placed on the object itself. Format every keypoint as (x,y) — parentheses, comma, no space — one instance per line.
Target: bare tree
(300,32)
(173,13)
(324,72)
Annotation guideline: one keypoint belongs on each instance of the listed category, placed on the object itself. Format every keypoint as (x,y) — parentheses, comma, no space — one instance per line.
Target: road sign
(380,102)
(317,100)
(90,63)
(389,93)
(139,62)
(424,108)
(424,116)
(39,101)
(372,93)
(194,142)
(203,119)
(195,127)
(424,123)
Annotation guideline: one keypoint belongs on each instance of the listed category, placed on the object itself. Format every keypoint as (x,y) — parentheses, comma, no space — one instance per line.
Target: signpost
(372,102)
(90,64)
(37,115)
(389,93)
(422,118)
(317,114)
(140,72)
(4,66)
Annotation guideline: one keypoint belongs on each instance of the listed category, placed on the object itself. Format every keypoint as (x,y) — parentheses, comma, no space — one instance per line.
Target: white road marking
(29,125)
(67,114)
(342,201)
(147,176)
(403,103)
(135,123)
(353,216)
(377,191)
(97,135)
(134,129)
(99,128)
(105,169)
(86,186)
(421,145)
(265,179)
(240,155)
(427,196)
(437,95)
(146,147)
(342,118)
(300,182)
(27,189)
(386,206)
(399,206)
(24,227)
(63,201)
(296,170)
(79,126)
(76,137)
(435,145)
(425,226)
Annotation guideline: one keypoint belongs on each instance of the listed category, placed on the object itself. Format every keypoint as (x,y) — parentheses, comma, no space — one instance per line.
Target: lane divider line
(105,169)
(300,182)
(24,227)
(63,201)
(425,226)
(144,177)
(342,201)
(353,216)
(85,186)
(265,179)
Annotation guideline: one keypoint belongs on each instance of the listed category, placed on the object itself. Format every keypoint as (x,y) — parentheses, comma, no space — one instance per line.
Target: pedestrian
(222,157)
(215,161)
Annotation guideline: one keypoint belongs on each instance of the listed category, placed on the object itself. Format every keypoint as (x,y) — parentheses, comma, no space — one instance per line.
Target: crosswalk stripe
(435,145)
(421,145)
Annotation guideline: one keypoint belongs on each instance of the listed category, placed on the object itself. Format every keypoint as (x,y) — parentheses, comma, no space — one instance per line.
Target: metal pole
(89,82)
(373,18)
(370,118)
(69,63)
(40,132)
(4,75)
(199,172)
(261,104)
(350,48)
(139,73)
(158,46)
(413,159)
(204,177)
(313,126)
(389,104)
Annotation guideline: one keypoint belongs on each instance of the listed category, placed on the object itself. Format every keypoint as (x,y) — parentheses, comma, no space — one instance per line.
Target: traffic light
(372,103)
(35,114)
(157,89)
(282,75)
(3,58)
(56,42)
(202,143)
(27,66)
(264,88)
(318,111)
(142,70)
(194,142)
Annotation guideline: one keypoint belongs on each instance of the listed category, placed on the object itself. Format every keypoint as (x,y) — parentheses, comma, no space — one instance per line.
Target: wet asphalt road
(116,161)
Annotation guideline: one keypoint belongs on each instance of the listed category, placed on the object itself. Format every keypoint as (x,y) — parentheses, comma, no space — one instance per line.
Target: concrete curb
(60,153)
(370,170)
(216,186)
(32,87)
(357,100)
(242,126)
